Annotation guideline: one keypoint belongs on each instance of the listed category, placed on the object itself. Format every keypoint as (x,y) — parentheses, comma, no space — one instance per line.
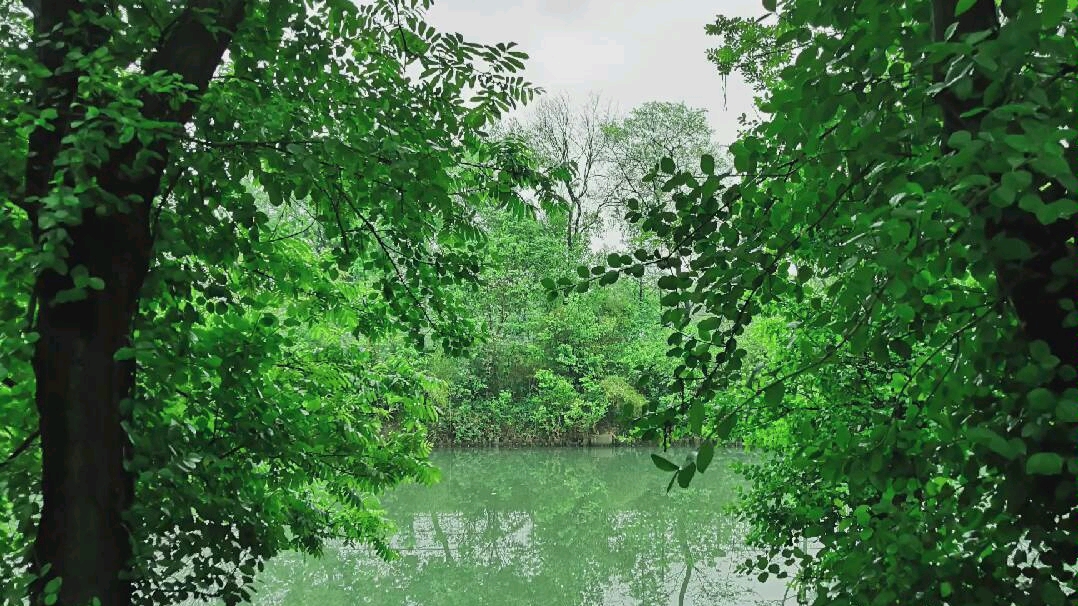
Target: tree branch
(21,448)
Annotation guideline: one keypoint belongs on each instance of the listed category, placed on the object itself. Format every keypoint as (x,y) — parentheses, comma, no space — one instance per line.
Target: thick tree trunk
(83,538)
(85,486)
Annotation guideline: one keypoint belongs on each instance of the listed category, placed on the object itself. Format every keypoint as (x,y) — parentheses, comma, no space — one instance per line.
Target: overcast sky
(630,51)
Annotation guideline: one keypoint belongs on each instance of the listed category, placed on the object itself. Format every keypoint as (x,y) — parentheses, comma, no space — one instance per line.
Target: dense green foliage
(555,371)
(907,212)
(546,371)
(237,289)
(282,222)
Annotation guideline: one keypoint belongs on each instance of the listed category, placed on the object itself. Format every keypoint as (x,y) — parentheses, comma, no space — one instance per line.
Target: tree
(909,205)
(138,141)
(649,133)
(564,136)
(544,370)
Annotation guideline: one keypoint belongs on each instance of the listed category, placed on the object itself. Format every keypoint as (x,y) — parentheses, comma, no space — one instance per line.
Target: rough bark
(82,536)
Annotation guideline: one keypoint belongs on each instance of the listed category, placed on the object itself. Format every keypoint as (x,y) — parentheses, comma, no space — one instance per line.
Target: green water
(544,527)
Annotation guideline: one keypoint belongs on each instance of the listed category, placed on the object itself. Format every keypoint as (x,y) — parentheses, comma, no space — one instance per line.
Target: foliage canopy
(202,251)
(909,207)
(235,232)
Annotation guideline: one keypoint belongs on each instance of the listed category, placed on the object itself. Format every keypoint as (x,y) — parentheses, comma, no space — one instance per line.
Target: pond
(591,527)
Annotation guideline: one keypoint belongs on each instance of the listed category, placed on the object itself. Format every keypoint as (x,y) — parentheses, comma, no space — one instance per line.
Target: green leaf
(668,282)
(994,442)
(945,590)
(1039,350)
(667,165)
(774,393)
(959,139)
(769,5)
(1044,463)
(709,324)
(696,417)
(707,164)
(79,275)
(1067,410)
(69,295)
(1052,12)
(861,514)
(901,348)
(725,426)
(1041,399)
(1059,210)
(1012,249)
(962,6)
(705,455)
(664,463)
(685,474)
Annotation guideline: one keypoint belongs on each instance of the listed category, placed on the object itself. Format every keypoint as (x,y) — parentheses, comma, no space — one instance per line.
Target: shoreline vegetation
(598,440)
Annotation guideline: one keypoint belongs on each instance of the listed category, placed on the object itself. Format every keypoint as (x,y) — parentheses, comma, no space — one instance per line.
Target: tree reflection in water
(550,527)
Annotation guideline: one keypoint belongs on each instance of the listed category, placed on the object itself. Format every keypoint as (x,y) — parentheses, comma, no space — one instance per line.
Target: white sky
(629,52)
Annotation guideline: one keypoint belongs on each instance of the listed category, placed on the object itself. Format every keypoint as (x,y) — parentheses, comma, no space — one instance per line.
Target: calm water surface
(550,527)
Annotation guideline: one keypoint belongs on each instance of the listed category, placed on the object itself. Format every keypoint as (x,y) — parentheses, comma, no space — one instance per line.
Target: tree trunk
(82,538)
(579,214)
(572,227)
(85,486)
(569,231)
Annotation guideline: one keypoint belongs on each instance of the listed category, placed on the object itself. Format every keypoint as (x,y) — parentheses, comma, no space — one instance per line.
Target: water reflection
(549,527)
